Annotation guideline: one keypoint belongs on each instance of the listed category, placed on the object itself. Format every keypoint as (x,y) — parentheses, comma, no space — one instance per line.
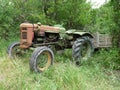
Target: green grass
(63,75)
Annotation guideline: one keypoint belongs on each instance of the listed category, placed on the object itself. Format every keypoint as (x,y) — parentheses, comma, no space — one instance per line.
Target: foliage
(116,8)
(29,11)
(108,58)
(70,13)
(116,32)
(14,74)
(102,20)
(6,19)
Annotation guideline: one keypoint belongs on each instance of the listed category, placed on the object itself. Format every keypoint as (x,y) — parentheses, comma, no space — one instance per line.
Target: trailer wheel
(82,49)
(14,50)
(41,59)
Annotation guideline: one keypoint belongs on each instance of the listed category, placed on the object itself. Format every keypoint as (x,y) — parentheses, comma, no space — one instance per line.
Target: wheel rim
(44,60)
(16,51)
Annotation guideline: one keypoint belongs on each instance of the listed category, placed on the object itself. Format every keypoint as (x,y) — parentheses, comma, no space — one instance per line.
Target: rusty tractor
(42,39)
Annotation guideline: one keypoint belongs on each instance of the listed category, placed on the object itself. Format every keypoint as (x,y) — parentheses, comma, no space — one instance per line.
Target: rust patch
(49,28)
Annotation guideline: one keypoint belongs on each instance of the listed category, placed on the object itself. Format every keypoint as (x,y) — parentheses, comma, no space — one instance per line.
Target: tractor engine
(37,33)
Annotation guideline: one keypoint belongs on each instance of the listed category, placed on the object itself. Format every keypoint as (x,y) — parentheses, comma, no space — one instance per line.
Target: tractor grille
(24,28)
(24,35)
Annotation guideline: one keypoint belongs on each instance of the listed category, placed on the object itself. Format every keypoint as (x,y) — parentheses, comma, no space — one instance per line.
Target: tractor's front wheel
(41,59)
(14,50)
(82,49)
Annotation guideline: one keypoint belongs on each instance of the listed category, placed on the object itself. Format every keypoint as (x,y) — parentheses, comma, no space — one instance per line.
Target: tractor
(44,40)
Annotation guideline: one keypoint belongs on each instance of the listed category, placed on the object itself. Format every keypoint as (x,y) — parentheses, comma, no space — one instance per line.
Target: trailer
(101,40)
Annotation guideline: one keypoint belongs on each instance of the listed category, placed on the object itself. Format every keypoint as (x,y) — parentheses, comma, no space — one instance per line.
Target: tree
(6,18)
(102,20)
(116,17)
(70,13)
(73,13)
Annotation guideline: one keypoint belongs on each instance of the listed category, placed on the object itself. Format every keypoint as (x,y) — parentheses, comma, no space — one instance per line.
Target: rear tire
(82,49)
(38,57)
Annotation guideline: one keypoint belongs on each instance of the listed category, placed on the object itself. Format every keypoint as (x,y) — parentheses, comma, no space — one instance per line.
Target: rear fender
(80,34)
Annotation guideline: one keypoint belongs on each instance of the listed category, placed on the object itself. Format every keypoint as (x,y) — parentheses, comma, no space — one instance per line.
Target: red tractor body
(28,31)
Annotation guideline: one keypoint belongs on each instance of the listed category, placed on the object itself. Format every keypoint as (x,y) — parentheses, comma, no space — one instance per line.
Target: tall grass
(63,75)
(95,74)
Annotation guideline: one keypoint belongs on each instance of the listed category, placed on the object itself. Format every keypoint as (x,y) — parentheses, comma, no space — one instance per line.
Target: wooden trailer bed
(102,40)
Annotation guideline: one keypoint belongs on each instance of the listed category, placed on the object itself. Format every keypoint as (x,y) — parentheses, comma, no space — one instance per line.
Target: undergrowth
(15,75)
(100,72)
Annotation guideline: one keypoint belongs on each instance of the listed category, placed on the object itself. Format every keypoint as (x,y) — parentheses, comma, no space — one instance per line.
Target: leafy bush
(72,14)
(102,20)
(109,58)
(6,19)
